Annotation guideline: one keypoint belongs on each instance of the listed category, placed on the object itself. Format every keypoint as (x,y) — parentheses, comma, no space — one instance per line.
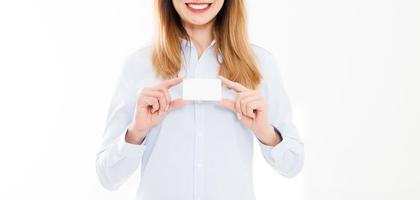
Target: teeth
(198,6)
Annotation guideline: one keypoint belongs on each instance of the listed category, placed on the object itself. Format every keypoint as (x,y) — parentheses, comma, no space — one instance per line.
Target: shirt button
(199,134)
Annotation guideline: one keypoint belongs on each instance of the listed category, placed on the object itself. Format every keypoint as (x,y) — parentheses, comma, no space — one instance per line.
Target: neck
(201,35)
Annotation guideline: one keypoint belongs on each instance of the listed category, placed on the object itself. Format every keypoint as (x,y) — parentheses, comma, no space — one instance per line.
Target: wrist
(135,136)
(269,136)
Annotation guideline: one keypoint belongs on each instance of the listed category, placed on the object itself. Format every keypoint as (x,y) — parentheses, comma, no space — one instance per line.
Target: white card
(202,89)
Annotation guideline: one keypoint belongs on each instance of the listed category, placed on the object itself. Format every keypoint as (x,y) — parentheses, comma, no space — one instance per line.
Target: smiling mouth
(198,6)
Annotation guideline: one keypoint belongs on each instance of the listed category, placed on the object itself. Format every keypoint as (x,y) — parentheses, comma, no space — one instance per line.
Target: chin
(199,22)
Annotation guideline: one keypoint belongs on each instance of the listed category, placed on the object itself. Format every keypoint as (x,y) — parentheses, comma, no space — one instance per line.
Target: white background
(350,67)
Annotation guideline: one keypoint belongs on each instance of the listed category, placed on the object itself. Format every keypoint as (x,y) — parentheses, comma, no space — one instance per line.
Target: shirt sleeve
(287,156)
(117,160)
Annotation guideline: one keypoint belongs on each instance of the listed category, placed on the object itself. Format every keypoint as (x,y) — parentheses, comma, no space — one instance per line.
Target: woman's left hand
(251,108)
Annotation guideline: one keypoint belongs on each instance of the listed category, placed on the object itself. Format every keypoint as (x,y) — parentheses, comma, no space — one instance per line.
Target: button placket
(199,132)
(199,164)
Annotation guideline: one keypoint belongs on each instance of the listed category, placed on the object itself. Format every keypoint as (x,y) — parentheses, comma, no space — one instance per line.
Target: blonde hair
(230,32)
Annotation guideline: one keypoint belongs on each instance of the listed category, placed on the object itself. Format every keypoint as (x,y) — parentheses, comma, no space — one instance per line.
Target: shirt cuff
(272,152)
(128,149)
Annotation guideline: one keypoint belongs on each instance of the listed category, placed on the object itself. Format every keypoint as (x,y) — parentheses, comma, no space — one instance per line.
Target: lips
(198,7)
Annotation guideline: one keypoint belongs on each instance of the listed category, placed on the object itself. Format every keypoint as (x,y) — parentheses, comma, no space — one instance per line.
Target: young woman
(198,150)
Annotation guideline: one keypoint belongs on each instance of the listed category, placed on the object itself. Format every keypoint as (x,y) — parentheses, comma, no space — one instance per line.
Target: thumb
(177,103)
(229,104)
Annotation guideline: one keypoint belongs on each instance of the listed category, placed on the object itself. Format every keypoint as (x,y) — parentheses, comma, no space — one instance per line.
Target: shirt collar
(186,43)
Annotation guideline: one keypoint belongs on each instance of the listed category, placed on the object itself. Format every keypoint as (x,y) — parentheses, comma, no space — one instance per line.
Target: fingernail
(238,115)
(167,107)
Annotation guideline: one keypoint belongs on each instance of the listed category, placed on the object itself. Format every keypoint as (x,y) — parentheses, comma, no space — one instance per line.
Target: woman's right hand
(153,103)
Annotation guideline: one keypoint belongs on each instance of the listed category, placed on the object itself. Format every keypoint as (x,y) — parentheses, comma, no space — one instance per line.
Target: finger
(229,104)
(167,97)
(177,103)
(152,101)
(172,82)
(160,95)
(238,109)
(255,105)
(246,106)
(241,102)
(153,93)
(251,107)
(232,85)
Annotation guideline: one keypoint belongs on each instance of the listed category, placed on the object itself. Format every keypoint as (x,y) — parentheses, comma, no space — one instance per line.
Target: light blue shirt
(200,151)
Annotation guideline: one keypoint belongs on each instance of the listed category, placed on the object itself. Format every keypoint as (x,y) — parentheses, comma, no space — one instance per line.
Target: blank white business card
(202,89)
